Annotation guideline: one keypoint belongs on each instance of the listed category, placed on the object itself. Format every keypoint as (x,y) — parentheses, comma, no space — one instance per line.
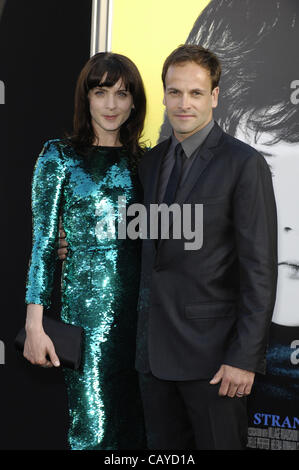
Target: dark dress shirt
(191,146)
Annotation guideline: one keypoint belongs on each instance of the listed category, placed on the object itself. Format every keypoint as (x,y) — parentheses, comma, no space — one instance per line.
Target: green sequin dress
(100,281)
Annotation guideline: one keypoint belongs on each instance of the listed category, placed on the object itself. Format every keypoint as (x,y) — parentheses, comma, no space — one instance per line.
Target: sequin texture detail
(100,281)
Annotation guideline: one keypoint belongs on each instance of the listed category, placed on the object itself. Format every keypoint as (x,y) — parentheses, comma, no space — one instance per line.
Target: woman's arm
(48,178)
(47,185)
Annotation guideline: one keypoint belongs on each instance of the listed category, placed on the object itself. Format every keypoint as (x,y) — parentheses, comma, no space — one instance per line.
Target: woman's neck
(107,139)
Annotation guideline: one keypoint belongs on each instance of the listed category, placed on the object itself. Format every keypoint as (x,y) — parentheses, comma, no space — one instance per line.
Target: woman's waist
(103,246)
(87,248)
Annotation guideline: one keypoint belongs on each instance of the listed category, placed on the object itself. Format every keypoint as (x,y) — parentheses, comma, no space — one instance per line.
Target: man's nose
(185,101)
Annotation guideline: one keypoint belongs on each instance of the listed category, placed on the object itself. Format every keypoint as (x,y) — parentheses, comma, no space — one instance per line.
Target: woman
(80,179)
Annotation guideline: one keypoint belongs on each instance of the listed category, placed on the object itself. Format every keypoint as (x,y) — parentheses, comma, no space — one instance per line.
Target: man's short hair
(199,55)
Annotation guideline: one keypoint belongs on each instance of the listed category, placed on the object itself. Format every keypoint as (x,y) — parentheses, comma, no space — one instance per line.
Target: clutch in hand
(67,340)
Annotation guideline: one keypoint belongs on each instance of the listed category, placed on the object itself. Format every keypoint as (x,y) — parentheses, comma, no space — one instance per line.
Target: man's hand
(63,244)
(234,381)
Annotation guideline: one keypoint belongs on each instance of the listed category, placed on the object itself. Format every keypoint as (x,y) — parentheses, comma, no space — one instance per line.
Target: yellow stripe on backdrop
(146,32)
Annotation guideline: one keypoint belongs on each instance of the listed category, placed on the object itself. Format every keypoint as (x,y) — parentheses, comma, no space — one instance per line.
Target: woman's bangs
(107,76)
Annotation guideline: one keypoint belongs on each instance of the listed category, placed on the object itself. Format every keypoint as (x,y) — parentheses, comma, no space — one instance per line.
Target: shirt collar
(195,140)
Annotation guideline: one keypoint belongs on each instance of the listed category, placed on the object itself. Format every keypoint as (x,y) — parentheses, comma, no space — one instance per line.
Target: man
(204,314)
(265,114)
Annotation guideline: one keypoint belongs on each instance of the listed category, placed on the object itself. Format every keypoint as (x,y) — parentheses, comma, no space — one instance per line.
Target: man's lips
(184,116)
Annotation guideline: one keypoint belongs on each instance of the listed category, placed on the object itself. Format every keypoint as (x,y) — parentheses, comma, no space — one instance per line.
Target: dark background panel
(43,46)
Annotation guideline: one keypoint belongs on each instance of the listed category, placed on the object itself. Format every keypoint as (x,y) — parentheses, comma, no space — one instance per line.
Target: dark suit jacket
(200,309)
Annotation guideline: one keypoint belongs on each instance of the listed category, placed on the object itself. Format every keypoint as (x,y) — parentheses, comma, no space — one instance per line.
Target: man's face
(188,98)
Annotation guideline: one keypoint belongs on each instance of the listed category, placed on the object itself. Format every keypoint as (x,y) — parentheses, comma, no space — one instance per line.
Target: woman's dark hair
(115,66)
(257,45)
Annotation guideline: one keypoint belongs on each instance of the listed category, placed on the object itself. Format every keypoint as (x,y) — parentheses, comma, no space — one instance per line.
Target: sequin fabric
(100,281)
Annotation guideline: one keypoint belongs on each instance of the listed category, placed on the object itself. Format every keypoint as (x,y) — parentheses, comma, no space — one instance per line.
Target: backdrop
(43,46)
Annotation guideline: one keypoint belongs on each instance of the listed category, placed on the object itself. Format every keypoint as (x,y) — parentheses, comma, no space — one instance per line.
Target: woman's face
(109,108)
(283,160)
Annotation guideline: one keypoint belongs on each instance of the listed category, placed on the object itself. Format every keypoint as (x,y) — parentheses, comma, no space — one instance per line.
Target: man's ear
(215,95)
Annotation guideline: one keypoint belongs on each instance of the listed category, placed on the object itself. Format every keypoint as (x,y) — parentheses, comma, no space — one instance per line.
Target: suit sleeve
(255,225)
(48,177)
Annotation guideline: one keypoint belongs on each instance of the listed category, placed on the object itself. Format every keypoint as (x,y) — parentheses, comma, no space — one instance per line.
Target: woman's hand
(38,345)
(63,244)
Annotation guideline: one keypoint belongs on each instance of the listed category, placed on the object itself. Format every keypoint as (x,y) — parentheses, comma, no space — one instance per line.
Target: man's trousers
(191,415)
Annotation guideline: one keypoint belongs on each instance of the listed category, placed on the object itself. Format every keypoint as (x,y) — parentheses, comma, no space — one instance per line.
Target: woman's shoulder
(54,154)
(61,149)
(61,144)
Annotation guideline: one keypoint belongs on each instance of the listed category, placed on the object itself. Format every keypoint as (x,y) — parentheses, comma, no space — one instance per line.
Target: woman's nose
(110,101)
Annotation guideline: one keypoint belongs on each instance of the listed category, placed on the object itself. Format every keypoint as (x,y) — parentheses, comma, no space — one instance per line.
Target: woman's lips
(110,118)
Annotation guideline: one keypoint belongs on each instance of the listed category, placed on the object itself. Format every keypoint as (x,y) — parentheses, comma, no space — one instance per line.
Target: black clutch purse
(67,340)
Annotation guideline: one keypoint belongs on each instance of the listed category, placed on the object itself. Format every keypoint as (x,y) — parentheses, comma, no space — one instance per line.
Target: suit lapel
(150,196)
(153,174)
(202,160)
